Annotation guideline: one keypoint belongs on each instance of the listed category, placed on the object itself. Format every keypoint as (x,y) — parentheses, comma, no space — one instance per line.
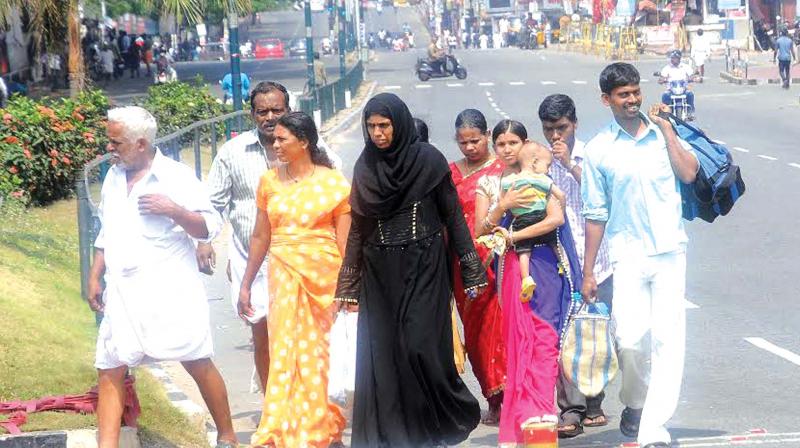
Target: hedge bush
(179,104)
(43,143)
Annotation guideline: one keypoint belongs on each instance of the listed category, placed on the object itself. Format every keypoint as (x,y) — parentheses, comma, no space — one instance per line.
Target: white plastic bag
(342,373)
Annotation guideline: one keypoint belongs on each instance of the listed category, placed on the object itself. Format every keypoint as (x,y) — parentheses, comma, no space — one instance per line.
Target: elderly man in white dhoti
(154,303)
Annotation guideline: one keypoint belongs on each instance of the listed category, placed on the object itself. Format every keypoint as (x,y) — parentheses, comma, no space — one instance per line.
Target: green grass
(47,332)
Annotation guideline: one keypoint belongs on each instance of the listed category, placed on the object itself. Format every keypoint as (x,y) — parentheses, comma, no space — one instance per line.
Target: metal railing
(88,181)
(331,98)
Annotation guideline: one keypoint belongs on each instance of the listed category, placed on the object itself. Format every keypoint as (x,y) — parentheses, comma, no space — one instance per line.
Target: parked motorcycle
(450,67)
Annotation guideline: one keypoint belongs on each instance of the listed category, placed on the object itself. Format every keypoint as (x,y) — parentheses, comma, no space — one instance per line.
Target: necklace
(296,180)
(469,171)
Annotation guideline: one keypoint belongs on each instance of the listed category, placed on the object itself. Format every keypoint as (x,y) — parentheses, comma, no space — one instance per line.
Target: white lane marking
(720,142)
(746,439)
(488,93)
(542,58)
(455,84)
(579,82)
(689,305)
(740,149)
(763,344)
(516,83)
(728,95)
(423,86)
(767,157)
(391,87)
(486,84)
(549,83)
(795,165)
(644,80)
(493,104)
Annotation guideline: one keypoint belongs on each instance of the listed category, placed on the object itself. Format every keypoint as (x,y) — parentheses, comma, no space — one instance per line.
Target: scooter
(451,66)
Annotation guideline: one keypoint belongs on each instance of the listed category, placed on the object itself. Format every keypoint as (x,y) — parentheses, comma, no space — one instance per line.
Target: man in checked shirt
(559,123)
(232,185)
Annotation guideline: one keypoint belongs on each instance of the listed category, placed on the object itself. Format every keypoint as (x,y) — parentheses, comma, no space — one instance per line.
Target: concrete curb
(78,438)
(753,82)
(353,113)
(737,80)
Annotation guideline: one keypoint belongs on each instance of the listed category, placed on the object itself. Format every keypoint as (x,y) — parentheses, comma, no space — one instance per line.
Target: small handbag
(588,352)
(342,371)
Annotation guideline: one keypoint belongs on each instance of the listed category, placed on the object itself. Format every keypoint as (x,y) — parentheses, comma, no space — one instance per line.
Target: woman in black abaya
(407,392)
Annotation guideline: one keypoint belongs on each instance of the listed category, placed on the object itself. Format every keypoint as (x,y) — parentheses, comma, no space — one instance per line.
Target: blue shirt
(628,183)
(784,47)
(227,85)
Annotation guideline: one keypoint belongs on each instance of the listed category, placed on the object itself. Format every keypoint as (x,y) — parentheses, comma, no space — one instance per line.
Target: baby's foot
(528,286)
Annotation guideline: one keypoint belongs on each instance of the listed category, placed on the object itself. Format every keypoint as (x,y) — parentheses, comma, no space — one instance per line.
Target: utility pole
(342,40)
(236,77)
(312,83)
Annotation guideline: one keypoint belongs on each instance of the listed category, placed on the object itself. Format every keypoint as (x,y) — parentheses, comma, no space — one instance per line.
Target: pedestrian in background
(785,54)
(320,76)
(154,305)
(396,268)
(701,49)
(559,123)
(482,316)
(302,221)
(647,247)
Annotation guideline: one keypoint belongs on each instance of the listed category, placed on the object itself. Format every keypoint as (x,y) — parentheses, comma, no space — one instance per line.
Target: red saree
(482,317)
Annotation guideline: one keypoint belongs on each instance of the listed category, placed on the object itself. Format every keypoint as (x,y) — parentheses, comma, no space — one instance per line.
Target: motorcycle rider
(436,55)
(676,71)
(164,69)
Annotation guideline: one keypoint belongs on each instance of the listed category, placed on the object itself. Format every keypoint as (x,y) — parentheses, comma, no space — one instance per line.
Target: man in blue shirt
(227,87)
(784,52)
(630,191)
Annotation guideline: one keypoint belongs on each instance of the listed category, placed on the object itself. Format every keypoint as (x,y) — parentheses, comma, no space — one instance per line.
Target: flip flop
(575,431)
(596,421)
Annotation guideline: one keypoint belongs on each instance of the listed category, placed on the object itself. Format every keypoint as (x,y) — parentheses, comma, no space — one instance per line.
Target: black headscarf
(387,180)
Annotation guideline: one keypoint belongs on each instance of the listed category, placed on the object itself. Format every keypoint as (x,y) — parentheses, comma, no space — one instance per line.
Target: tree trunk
(77,74)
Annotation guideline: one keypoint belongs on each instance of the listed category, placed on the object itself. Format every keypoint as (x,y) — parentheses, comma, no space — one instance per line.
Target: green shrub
(179,104)
(43,143)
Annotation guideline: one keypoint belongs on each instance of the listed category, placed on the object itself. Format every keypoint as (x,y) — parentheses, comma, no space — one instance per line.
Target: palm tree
(52,20)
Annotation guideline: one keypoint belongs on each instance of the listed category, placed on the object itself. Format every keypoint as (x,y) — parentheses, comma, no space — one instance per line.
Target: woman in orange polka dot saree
(303,220)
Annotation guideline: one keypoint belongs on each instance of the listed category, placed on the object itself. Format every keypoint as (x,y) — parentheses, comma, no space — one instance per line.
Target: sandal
(569,431)
(629,422)
(596,421)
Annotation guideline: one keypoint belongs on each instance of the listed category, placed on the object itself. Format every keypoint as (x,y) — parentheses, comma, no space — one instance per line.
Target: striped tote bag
(588,353)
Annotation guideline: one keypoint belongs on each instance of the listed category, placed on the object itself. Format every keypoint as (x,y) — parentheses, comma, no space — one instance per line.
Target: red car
(269,48)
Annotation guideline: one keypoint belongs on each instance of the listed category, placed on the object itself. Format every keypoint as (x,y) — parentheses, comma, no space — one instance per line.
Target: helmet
(675,54)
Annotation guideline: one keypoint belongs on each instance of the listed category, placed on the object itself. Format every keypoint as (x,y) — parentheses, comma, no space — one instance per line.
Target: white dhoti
(259,292)
(156,312)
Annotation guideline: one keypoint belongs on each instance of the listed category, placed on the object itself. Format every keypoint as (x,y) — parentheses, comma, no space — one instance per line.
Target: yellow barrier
(609,42)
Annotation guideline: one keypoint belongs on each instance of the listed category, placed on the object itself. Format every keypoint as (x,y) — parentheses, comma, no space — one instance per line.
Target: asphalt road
(743,348)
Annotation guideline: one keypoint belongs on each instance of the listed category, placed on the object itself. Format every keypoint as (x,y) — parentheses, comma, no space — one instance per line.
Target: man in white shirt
(154,303)
(630,186)
(232,183)
(559,123)
(701,49)
(677,71)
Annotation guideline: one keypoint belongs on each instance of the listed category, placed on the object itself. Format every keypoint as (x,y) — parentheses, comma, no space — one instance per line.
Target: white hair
(138,122)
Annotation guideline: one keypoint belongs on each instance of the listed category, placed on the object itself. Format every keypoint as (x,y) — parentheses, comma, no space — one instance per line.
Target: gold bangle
(346,300)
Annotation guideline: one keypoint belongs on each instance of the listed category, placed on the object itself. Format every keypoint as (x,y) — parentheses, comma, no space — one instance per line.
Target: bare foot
(492,416)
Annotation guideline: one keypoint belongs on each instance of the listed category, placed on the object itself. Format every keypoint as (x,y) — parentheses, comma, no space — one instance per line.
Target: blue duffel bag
(719,182)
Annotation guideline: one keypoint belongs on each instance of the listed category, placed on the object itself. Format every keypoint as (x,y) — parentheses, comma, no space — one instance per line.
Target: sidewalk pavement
(761,70)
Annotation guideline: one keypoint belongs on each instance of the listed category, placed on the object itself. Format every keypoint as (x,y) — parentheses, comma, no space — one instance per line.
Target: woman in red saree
(482,317)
